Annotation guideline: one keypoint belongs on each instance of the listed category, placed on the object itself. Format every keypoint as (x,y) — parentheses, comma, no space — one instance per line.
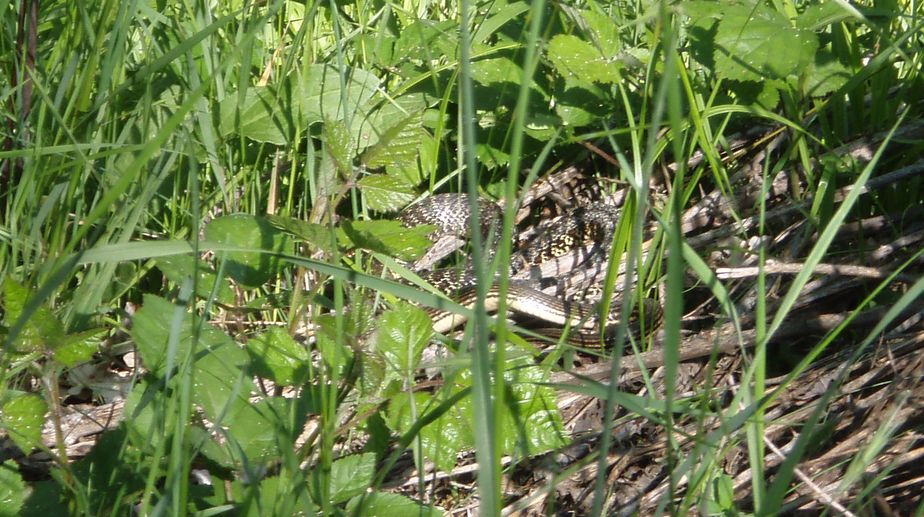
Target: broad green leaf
(495,20)
(80,347)
(387,504)
(22,417)
(250,269)
(42,332)
(403,333)
(221,383)
(826,75)
(575,58)
(337,146)
(441,440)
(605,32)
(178,268)
(385,193)
(351,476)
(271,496)
(397,146)
(497,70)
(151,332)
(389,237)
(275,355)
(326,92)
(580,104)
(260,116)
(145,426)
(533,423)
(317,235)
(260,430)
(424,41)
(392,112)
(819,15)
(756,44)
(12,489)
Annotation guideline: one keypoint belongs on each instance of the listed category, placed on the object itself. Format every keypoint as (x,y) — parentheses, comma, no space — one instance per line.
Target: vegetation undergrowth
(199,250)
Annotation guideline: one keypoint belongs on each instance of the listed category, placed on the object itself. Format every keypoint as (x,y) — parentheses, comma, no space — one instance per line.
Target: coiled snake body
(590,226)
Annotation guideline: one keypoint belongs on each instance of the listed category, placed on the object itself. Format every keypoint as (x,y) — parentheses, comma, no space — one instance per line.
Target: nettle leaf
(389,237)
(819,15)
(497,70)
(259,116)
(337,146)
(397,146)
(755,44)
(826,75)
(326,92)
(22,417)
(317,235)
(42,332)
(441,440)
(178,268)
(385,193)
(80,347)
(533,418)
(580,104)
(387,504)
(12,489)
(350,476)
(249,268)
(392,112)
(424,41)
(276,356)
(575,58)
(604,31)
(403,333)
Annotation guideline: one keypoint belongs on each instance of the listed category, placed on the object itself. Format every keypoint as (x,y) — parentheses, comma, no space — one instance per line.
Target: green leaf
(386,504)
(151,332)
(220,380)
(389,237)
(819,15)
(397,146)
(386,193)
(403,333)
(250,269)
(605,32)
(533,423)
(259,116)
(826,75)
(22,417)
(277,356)
(441,440)
(757,43)
(80,347)
(497,70)
(424,41)
(178,268)
(337,146)
(350,476)
(575,58)
(326,92)
(260,430)
(317,235)
(270,497)
(42,332)
(12,489)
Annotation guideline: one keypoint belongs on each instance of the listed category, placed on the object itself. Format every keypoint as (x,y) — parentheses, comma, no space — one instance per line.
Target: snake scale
(588,226)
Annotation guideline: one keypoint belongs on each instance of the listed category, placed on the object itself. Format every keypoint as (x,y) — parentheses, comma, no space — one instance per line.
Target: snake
(591,225)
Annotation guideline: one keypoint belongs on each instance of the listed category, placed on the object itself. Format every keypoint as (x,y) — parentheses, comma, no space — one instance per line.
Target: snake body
(451,215)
